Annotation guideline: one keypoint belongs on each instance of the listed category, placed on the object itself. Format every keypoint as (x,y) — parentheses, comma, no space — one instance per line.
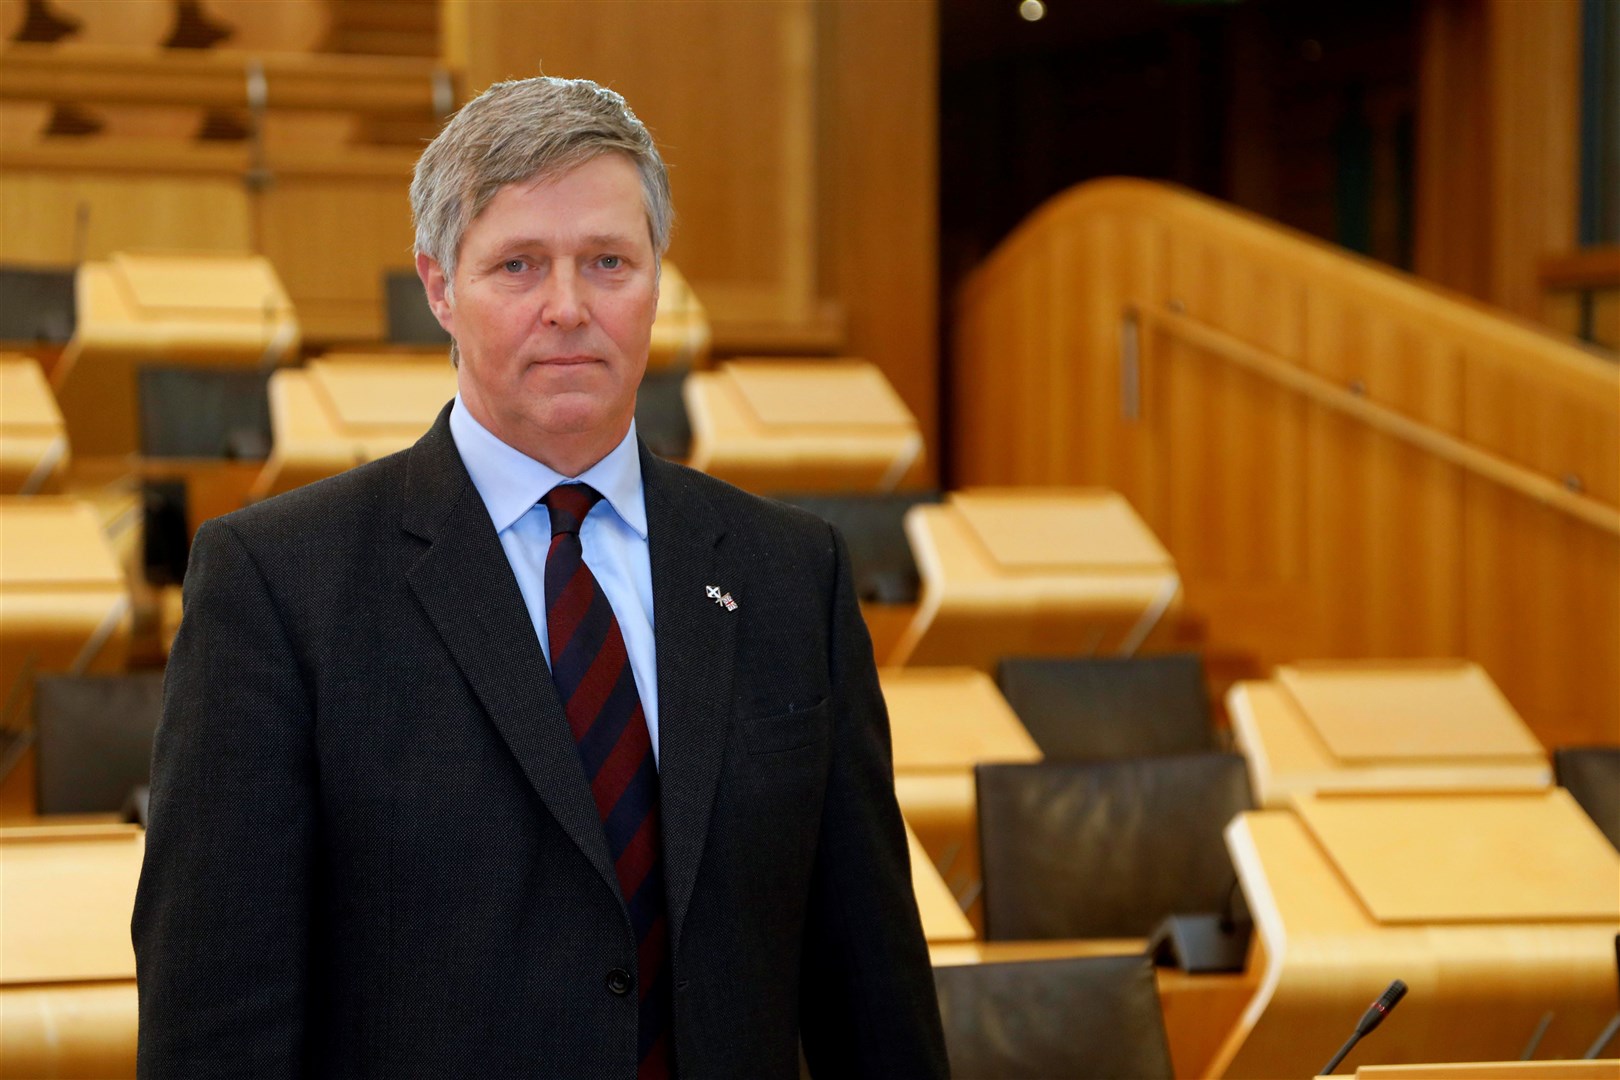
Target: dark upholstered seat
(93,739)
(1085,708)
(1094,1016)
(1592,775)
(874,527)
(1106,849)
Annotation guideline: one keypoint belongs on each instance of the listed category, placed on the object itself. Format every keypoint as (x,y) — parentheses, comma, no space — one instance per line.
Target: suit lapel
(695,638)
(465,584)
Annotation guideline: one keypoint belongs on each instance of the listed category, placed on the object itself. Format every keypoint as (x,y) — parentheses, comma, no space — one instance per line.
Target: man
(522,752)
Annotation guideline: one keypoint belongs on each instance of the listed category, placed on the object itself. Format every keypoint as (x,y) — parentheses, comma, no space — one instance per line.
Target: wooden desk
(1479,983)
(942,722)
(342,411)
(815,425)
(202,309)
(680,333)
(942,920)
(64,606)
(1384,726)
(1032,572)
(67,967)
(1603,1069)
(33,438)
(1199,1010)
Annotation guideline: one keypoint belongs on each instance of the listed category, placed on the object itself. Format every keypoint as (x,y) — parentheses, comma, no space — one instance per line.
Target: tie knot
(568,504)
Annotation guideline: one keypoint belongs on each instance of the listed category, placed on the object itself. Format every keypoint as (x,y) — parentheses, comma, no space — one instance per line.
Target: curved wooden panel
(1343,460)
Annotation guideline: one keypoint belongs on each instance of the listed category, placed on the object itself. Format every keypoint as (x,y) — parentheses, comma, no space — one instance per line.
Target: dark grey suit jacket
(372,849)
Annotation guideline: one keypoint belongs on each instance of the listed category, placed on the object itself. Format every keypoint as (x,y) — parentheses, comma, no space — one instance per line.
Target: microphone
(1370,1019)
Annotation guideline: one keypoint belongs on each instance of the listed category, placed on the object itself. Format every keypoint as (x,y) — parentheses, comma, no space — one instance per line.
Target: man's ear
(436,285)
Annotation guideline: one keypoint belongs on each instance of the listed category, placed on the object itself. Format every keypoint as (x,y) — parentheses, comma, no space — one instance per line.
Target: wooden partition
(1342,460)
(329,211)
(331,220)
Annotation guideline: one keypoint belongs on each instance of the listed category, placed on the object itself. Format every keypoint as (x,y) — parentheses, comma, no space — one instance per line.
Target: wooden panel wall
(1302,530)
(330,221)
(802,149)
(1498,145)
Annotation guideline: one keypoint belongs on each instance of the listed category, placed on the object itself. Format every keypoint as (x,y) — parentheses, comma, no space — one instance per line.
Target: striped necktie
(592,671)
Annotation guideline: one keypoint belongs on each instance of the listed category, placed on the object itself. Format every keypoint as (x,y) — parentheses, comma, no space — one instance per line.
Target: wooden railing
(1344,461)
(222,79)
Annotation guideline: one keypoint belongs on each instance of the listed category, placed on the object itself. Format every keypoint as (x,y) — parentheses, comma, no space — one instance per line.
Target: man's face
(555,292)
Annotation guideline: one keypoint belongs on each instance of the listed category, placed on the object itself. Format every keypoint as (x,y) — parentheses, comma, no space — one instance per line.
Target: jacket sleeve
(867,1002)
(222,914)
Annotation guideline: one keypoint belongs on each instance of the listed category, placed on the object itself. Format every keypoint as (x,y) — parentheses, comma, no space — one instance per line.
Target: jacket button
(618,981)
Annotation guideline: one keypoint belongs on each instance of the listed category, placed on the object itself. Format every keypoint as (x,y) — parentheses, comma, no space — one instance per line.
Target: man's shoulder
(356,500)
(744,511)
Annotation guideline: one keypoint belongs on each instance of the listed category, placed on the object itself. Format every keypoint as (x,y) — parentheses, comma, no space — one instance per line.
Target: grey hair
(515,132)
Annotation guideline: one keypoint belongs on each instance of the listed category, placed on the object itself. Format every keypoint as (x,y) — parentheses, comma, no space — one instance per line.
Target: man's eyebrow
(545,243)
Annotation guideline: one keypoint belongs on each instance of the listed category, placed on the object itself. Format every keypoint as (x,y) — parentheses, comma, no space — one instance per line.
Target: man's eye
(610,262)
(514,266)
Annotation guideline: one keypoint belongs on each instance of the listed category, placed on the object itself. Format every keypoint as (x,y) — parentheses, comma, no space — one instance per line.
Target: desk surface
(1060,531)
(55,542)
(1410,711)
(26,402)
(1476,989)
(67,893)
(205,307)
(33,438)
(951,719)
(975,607)
(1287,756)
(819,425)
(1528,856)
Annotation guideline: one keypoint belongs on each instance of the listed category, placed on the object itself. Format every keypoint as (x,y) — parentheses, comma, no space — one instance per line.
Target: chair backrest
(204,412)
(873,525)
(661,420)
(1592,775)
(37,305)
(93,739)
(1108,848)
(1093,1016)
(410,319)
(1086,708)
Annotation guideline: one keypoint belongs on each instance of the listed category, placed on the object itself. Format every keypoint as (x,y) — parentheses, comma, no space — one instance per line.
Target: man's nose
(564,304)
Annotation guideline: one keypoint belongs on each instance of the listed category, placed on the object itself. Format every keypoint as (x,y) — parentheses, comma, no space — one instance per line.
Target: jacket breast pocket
(789,730)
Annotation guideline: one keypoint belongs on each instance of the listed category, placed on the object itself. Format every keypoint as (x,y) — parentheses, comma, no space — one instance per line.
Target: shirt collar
(511,482)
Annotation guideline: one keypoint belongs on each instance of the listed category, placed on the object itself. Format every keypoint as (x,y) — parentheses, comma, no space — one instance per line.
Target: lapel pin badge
(723,599)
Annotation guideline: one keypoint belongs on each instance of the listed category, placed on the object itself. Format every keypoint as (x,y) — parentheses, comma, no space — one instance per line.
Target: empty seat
(661,419)
(204,412)
(36,304)
(410,319)
(873,525)
(1085,708)
(1094,1016)
(1106,849)
(93,740)
(1592,775)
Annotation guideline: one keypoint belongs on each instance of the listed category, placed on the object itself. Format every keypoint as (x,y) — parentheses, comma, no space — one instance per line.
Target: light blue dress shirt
(614,536)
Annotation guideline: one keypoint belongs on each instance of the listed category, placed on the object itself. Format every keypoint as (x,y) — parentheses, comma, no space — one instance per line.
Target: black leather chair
(1592,775)
(204,412)
(1086,708)
(874,527)
(37,305)
(410,319)
(93,739)
(1094,1016)
(661,418)
(1106,849)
